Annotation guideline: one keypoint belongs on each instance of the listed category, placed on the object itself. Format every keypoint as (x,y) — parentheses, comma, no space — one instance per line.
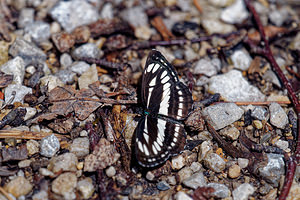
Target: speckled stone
(65,185)
(214,162)
(221,190)
(195,181)
(178,162)
(49,145)
(33,147)
(80,147)
(243,192)
(278,116)
(234,171)
(85,188)
(64,162)
(18,186)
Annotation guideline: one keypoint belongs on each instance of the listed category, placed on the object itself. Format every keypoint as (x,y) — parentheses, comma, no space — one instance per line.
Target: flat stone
(278,116)
(243,162)
(135,16)
(80,147)
(30,112)
(230,132)
(205,148)
(49,146)
(88,50)
(72,14)
(110,171)
(182,196)
(143,32)
(241,59)
(243,192)
(51,82)
(233,87)
(185,173)
(24,163)
(222,114)
(260,113)
(270,76)
(18,186)
(178,162)
(62,163)
(234,171)
(16,92)
(279,15)
(221,190)
(212,26)
(88,77)
(208,67)
(65,60)
(33,147)
(214,162)
(107,11)
(41,195)
(66,76)
(65,185)
(15,67)
(85,187)
(26,16)
(79,67)
(163,186)
(38,30)
(283,144)
(195,181)
(236,13)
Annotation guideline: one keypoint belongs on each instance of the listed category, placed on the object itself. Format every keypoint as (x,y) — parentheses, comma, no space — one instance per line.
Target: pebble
(24,163)
(233,87)
(205,148)
(212,26)
(110,171)
(38,30)
(230,132)
(85,187)
(234,171)
(243,192)
(150,176)
(16,92)
(236,13)
(33,147)
(143,32)
(241,59)
(185,173)
(207,66)
(273,170)
(79,67)
(41,195)
(243,162)
(257,124)
(278,15)
(195,166)
(46,172)
(80,147)
(51,82)
(189,54)
(49,146)
(295,44)
(222,114)
(270,76)
(82,34)
(221,3)
(221,190)
(30,53)
(163,186)
(65,185)
(63,41)
(30,112)
(63,163)
(171,180)
(182,196)
(278,116)
(15,67)
(135,16)
(88,77)
(195,181)
(178,162)
(66,76)
(55,27)
(18,186)
(88,50)
(107,11)
(69,14)
(65,60)
(214,162)
(26,17)
(283,144)
(260,113)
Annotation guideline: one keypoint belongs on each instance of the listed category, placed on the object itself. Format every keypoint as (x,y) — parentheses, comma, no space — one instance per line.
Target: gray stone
(216,26)
(15,67)
(182,196)
(230,132)
(260,113)
(236,13)
(26,16)
(38,30)
(150,176)
(66,76)
(178,162)
(243,162)
(233,87)
(221,190)
(273,170)
(208,67)
(33,147)
(203,80)
(66,162)
(46,172)
(222,114)
(49,146)
(72,14)
(41,195)
(80,147)
(196,166)
(195,181)
(185,173)
(88,77)
(79,67)
(30,112)
(163,186)
(28,51)
(85,187)
(24,163)
(279,15)
(65,185)
(278,116)
(214,162)
(135,16)
(283,144)
(270,76)
(50,82)
(107,11)
(205,148)
(16,92)
(110,171)
(88,50)
(18,186)
(65,60)
(243,191)
(241,59)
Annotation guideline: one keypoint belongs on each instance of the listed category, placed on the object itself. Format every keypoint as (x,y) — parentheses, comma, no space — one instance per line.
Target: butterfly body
(167,102)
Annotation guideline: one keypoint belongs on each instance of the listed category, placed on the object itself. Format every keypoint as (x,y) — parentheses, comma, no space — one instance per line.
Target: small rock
(234,171)
(38,30)
(15,67)
(236,13)
(51,82)
(18,186)
(195,181)
(63,163)
(16,93)
(182,196)
(243,192)
(178,162)
(26,16)
(66,76)
(205,148)
(28,51)
(163,186)
(230,132)
(80,147)
(143,32)
(135,16)
(82,34)
(88,50)
(260,113)
(41,195)
(85,187)
(270,76)
(190,54)
(79,67)
(241,59)
(282,144)
(24,163)
(69,14)
(221,190)
(166,53)
(243,162)
(222,114)
(195,166)
(171,180)
(65,60)
(279,15)
(30,112)
(107,11)
(65,185)
(49,146)
(185,173)
(88,77)
(207,66)
(33,147)
(214,162)
(63,41)
(111,171)
(150,176)
(278,116)
(273,170)
(257,124)
(46,172)
(216,26)
(233,87)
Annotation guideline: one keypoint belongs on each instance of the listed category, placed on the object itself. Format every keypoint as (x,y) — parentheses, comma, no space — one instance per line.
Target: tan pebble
(234,171)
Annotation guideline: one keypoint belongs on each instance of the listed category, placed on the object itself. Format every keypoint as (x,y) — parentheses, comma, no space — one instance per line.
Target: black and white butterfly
(167,102)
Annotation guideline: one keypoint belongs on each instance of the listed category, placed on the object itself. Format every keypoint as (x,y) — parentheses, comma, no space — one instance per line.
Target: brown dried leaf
(14,153)
(203,193)
(103,155)
(63,41)
(5,80)
(195,121)
(270,31)
(117,42)
(254,66)
(62,125)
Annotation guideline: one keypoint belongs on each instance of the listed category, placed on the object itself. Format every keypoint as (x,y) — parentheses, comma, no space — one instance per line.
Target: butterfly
(166,102)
